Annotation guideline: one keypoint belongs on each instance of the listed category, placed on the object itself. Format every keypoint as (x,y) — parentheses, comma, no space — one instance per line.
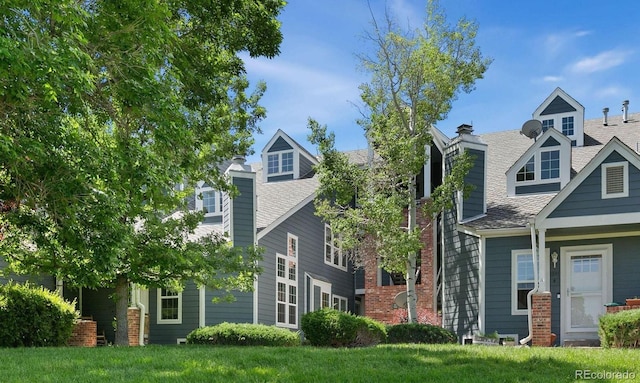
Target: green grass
(385,363)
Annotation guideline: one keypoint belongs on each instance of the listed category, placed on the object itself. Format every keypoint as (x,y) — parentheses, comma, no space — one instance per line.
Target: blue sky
(588,48)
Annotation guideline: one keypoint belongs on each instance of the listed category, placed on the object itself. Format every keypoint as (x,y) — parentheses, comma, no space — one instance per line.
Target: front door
(587,288)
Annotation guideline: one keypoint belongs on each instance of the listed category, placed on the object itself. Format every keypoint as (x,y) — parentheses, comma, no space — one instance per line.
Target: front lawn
(385,363)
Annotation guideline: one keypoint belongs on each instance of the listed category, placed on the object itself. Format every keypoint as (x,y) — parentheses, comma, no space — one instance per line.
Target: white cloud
(600,62)
(556,42)
(552,78)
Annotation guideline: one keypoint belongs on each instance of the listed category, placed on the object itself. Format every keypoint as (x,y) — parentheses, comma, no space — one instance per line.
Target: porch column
(543,276)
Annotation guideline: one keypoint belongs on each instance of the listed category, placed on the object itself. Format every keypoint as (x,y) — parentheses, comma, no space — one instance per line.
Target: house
(551,232)
(303,269)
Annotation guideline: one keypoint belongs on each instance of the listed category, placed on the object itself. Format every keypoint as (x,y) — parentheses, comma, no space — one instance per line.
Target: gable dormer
(284,159)
(544,168)
(563,113)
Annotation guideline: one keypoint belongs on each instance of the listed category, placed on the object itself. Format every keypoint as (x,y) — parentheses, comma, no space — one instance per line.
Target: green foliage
(419,333)
(330,327)
(415,77)
(621,329)
(33,316)
(243,334)
(106,106)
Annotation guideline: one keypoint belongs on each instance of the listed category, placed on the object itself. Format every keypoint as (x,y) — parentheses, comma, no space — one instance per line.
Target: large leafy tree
(104,107)
(415,76)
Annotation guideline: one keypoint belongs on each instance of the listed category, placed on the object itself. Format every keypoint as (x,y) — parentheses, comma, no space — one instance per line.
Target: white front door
(586,287)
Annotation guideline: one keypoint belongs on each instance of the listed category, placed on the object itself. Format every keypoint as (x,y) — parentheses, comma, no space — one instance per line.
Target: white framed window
(615,180)
(287,285)
(547,124)
(522,280)
(340,303)
(333,254)
(321,294)
(528,171)
(280,163)
(209,201)
(550,164)
(567,126)
(169,307)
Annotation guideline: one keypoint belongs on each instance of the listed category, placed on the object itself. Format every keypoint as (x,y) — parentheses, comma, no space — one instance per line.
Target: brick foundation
(133,321)
(379,300)
(84,334)
(541,319)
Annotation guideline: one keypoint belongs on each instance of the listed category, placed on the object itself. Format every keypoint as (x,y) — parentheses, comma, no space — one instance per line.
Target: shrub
(420,333)
(329,327)
(621,329)
(33,316)
(243,334)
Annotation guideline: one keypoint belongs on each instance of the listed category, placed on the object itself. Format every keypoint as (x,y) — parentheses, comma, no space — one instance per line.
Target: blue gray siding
(43,280)
(285,177)
(306,167)
(169,333)
(473,206)
(279,144)
(539,188)
(498,286)
(558,105)
(310,232)
(586,199)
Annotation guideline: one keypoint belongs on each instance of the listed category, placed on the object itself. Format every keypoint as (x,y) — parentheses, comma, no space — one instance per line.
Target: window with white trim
(615,180)
(169,307)
(567,126)
(280,163)
(522,278)
(333,254)
(547,124)
(340,303)
(528,171)
(209,200)
(287,285)
(550,164)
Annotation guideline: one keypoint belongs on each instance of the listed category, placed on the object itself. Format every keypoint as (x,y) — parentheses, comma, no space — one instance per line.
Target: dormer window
(550,164)
(547,124)
(528,171)
(280,163)
(567,126)
(209,201)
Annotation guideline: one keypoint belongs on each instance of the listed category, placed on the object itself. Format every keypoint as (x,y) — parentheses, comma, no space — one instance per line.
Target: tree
(105,107)
(416,75)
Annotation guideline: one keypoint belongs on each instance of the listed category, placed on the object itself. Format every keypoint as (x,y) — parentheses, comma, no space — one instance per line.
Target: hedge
(419,333)
(621,329)
(243,334)
(329,327)
(32,316)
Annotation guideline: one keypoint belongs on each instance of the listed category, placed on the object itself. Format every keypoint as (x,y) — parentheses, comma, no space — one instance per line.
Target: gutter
(536,285)
(143,312)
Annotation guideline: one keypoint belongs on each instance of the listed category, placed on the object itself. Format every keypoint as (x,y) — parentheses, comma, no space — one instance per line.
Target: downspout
(536,284)
(138,301)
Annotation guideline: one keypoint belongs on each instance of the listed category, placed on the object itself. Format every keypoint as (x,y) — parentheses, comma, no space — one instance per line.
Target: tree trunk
(411,258)
(122,307)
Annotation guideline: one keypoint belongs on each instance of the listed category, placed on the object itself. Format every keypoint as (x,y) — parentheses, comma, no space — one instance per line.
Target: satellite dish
(531,128)
(400,301)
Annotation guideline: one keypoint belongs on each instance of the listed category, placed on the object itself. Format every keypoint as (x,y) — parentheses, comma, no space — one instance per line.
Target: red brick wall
(379,300)
(541,319)
(84,334)
(133,321)
(615,309)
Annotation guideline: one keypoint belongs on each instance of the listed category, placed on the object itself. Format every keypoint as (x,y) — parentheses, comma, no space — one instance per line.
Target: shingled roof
(506,147)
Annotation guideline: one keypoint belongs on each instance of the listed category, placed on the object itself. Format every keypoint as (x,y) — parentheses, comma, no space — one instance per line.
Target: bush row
(243,334)
(324,328)
(621,329)
(33,316)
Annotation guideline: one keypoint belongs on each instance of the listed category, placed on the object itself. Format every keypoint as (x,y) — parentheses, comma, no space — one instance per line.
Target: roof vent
(625,111)
(464,129)
(605,111)
(238,159)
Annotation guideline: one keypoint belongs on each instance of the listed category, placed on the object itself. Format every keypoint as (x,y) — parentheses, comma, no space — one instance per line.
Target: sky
(589,48)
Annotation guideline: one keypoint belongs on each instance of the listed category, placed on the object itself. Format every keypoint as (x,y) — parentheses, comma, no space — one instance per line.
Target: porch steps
(582,343)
